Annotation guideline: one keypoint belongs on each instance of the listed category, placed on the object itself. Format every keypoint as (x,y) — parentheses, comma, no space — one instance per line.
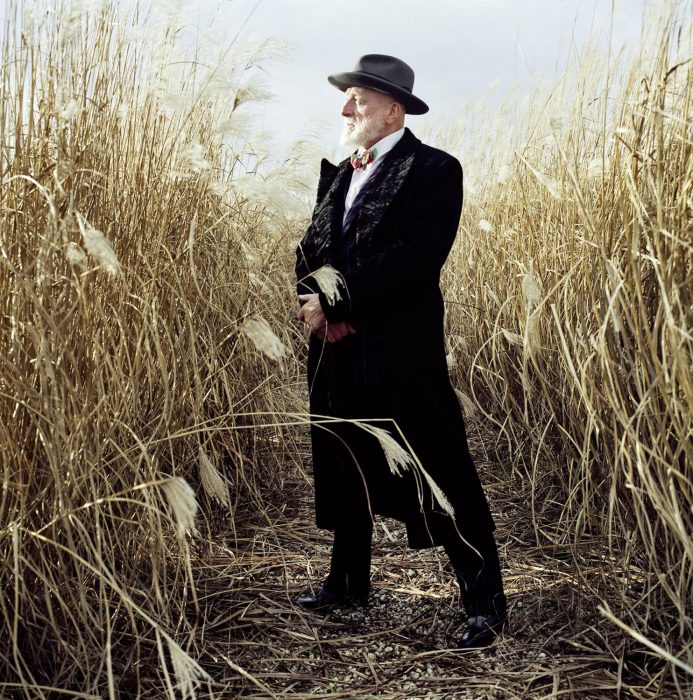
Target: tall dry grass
(143,262)
(570,296)
(138,272)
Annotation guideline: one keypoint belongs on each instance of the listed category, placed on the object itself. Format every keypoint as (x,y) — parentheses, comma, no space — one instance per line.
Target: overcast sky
(457,48)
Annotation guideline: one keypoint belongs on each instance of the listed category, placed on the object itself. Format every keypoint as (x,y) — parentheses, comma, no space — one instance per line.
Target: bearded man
(385,220)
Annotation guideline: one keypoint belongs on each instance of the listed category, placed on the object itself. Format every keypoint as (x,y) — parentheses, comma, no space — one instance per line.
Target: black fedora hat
(385,73)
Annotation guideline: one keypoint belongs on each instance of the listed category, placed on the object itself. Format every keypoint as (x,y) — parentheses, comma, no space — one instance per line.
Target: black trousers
(478,572)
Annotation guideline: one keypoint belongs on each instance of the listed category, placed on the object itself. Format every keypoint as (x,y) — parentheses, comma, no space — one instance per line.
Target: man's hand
(336,331)
(312,315)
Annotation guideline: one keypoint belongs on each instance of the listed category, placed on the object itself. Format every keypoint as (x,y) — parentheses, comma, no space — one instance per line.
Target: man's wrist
(334,313)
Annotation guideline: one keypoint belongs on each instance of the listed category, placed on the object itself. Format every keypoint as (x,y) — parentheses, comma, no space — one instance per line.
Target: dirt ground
(557,644)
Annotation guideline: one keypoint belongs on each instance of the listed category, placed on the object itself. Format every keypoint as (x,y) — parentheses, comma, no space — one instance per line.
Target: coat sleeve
(305,284)
(306,261)
(391,277)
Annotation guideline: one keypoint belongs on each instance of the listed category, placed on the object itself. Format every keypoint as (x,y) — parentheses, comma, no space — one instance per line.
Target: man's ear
(395,112)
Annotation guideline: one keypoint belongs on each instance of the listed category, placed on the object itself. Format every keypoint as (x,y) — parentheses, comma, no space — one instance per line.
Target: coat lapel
(388,181)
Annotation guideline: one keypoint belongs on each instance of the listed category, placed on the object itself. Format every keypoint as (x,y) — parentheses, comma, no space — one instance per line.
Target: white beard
(363,134)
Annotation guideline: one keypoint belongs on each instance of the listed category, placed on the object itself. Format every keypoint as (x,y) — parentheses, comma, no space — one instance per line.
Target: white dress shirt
(361,176)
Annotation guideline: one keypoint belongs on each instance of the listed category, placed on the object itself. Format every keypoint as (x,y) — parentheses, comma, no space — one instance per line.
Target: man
(385,220)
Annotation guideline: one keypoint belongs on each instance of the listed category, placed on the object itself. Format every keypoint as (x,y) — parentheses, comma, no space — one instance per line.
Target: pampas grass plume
(492,295)
(531,289)
(328,280)
(438,494)
(263,337)
(512,338)
(468,406)
(76,255)
(212,481)
(186,670)
(101,250)
(98,246)
(595,168)
(183,503)
(397,457)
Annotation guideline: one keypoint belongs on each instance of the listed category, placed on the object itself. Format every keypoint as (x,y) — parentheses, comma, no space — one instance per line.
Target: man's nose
(348,109)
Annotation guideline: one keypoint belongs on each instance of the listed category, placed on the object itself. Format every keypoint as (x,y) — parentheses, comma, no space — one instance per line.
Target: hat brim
(344,81)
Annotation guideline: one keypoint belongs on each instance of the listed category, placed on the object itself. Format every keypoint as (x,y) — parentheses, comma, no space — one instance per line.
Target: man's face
(364,113)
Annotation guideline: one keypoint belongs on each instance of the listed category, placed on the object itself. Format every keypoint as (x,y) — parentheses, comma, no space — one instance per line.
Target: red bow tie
(361,160)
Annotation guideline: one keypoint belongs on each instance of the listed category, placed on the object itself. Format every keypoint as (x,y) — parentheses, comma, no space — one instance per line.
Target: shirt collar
(385,145)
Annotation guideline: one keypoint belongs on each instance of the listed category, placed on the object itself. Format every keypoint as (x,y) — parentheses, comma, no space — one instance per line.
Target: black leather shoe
(326,600)
(480,631)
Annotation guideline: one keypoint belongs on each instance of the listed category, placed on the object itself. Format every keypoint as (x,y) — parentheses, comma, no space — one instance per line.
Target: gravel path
(557,645)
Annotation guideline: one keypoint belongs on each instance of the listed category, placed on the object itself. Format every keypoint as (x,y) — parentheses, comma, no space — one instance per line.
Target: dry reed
(130,258)
(570,297)
(145,350)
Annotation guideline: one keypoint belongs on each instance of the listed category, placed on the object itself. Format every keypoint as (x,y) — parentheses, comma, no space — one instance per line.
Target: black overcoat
(394,367)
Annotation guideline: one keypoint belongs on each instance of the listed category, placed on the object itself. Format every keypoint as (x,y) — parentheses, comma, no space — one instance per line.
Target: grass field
(152,403)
